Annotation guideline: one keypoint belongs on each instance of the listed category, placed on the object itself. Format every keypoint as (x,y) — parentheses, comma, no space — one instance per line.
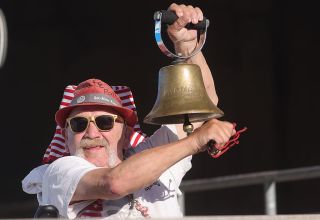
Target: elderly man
(96,178)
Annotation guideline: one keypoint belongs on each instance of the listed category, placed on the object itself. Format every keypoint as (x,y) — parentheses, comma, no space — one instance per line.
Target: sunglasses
(80,123)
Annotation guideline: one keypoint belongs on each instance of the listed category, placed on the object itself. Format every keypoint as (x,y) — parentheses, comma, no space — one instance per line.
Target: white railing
(267,178)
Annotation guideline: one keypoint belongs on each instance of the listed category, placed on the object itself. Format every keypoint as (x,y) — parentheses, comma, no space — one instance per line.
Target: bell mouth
(180,118)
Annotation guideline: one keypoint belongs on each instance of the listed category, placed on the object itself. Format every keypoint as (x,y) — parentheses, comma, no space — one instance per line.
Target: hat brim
(128,115)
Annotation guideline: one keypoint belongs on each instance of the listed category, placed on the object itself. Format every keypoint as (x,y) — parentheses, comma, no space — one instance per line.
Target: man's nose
(92,131)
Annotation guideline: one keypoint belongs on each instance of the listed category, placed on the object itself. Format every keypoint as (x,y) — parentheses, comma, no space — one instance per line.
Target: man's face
(102,148)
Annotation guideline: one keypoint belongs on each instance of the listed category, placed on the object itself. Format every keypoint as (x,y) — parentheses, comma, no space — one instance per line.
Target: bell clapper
(187,126)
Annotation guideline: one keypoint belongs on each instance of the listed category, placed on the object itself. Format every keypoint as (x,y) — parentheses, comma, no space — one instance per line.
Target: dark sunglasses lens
(104,122)
(78,124)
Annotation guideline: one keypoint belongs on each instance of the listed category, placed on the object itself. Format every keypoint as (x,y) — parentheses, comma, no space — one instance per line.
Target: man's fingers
(221,132)
(195,13)
(199,13)
(176,8)
(192,14)
(186,14)
(180,23)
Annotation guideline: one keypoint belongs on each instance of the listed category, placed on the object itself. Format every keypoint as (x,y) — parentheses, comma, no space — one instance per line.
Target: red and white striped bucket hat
(93,92)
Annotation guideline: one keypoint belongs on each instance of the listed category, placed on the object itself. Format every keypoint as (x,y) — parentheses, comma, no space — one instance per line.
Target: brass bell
(181,96)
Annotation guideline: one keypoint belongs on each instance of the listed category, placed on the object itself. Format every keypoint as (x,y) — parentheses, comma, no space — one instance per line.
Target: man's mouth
(93,148)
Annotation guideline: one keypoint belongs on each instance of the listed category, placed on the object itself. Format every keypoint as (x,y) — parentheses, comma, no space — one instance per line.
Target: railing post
(270,198)
(181,202)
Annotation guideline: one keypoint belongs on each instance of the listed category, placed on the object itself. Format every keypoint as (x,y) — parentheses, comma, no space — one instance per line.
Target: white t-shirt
(56,183)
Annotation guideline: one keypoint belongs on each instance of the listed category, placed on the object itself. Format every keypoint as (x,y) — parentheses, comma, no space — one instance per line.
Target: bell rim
(179,118)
